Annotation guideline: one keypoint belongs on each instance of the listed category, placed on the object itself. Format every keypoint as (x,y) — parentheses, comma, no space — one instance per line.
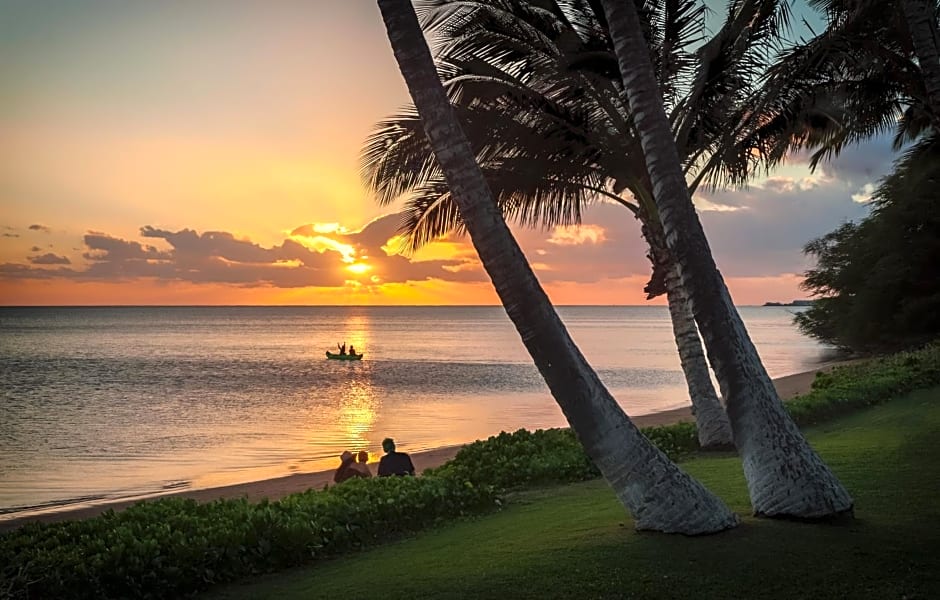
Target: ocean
(103,403)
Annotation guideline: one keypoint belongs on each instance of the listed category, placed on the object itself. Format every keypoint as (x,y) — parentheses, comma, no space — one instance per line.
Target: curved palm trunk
(785,476)
(711,420)
(660,496)
(921,22)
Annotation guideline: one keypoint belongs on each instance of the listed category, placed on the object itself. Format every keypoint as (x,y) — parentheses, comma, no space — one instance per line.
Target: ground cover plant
(575,541)
(173,547)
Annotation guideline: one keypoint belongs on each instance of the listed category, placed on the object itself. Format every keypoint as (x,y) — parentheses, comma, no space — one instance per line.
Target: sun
(358,268)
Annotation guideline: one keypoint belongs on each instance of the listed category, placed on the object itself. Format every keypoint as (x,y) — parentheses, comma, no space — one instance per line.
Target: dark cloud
(35,249)
(377,232)
(16,271)
(220,257)
(10,235)
(104,248)
(38,227)
(49,259)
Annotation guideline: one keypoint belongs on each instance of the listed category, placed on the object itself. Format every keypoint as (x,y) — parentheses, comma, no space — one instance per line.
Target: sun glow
(358,268)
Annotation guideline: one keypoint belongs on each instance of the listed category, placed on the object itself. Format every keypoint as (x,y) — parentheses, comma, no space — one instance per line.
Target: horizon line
(778,305)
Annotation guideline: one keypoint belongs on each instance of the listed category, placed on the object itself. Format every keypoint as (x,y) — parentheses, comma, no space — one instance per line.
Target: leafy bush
(523,458)
(547,456)
(172,547)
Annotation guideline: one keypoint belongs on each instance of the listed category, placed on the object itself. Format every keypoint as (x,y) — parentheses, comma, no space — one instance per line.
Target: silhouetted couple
(349,467)
(393,463)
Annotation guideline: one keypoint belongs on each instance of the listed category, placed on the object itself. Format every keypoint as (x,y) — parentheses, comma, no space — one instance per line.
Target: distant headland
(791,303)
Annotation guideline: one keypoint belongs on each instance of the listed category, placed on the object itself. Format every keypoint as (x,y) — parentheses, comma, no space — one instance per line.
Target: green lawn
(576,541)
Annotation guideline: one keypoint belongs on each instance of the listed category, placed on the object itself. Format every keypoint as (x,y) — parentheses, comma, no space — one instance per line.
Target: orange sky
(207,153)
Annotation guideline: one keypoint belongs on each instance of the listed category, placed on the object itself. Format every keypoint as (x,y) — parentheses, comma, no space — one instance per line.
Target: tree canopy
(876,281)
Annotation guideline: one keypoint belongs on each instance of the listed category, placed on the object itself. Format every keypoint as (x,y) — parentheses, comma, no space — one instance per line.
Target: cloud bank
(755,234)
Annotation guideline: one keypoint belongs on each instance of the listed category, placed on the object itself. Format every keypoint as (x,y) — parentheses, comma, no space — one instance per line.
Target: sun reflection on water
(357,414)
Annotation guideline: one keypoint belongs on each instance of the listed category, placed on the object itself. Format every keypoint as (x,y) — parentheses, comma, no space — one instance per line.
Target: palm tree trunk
(711,420)
(714,427)
(922,24)
(785,476)
(660,496)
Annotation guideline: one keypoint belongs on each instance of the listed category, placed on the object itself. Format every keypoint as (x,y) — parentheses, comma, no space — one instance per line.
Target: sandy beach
(788,387)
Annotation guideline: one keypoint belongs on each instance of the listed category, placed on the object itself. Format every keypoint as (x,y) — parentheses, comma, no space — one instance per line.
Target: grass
(576,541)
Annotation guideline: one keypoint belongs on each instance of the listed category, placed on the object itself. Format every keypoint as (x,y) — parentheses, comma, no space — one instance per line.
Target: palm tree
(856,79)
(529,126)
(922,23)
(660,496)
(785,476)
(908,25)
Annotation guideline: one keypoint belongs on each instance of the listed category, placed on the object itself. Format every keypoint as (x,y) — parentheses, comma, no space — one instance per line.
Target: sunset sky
(206,152)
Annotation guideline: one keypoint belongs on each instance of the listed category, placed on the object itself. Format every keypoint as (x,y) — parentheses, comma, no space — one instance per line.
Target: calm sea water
(105,403)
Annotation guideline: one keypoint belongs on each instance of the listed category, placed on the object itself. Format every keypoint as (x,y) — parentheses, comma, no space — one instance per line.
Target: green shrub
(520,459)
(172,547)
(854,386)
(676,440)
(547,456)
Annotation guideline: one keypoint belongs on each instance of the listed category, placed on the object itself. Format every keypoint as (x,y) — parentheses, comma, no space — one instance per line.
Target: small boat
(337,356)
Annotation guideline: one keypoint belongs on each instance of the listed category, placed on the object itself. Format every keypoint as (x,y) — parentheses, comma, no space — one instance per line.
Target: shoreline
(275,488)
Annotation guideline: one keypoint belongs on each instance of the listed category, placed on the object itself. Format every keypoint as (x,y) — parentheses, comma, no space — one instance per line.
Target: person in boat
(360,465)
(342,348)
(345,470)
(394,463)
(352,350)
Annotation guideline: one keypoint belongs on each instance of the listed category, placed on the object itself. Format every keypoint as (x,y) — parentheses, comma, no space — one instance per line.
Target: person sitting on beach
(361,467)
(346,470)
(394,463)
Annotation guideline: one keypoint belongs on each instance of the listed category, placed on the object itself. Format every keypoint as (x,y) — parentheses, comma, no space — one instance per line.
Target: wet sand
(788,387)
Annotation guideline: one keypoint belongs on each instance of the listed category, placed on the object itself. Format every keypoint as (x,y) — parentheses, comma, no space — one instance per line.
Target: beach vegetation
(656,492)
(174,547)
